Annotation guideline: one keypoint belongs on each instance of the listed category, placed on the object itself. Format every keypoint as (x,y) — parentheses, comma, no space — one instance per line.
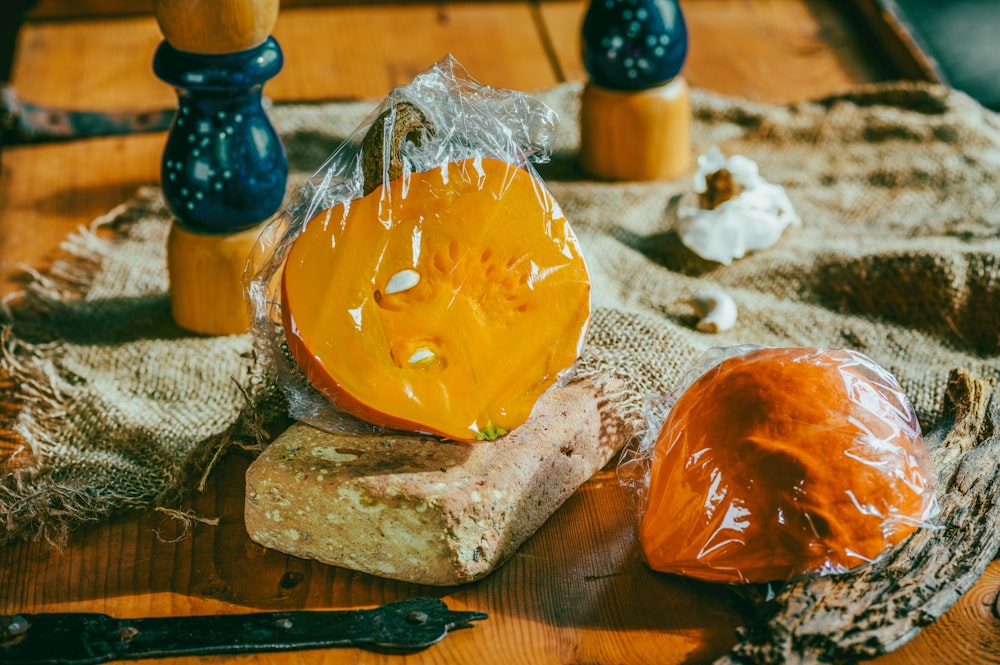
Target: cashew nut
(717,311)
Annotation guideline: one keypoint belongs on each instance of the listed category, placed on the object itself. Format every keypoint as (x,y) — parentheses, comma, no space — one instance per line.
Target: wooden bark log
(884,605)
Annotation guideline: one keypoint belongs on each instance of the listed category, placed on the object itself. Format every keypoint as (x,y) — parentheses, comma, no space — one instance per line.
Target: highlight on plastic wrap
(738,211)
(766,464)
(425,279)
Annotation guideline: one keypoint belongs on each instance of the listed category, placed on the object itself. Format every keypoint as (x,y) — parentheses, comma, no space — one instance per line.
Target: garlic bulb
(752,217)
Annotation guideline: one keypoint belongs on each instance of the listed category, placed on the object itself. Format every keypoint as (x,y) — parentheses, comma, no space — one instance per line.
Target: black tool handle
(81,638)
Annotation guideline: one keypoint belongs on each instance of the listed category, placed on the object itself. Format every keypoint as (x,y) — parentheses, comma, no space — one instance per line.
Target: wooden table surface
(576,592)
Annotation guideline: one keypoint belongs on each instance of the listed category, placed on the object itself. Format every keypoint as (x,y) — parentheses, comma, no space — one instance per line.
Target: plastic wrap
(766,464)
(424,278)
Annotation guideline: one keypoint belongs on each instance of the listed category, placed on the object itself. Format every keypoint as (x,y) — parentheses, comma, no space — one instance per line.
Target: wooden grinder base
(206,279)
(636,135)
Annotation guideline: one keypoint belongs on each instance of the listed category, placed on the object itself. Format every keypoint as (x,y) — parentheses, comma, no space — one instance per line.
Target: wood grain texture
(568,595)
(351,51)
(107,64)
(364,52)
(886,604)
(47,191)
(767,50)
(576,592)
(897,41)
(968,633)
(195,260)
(641,135)
(215,26)
(77,9)
(97,64)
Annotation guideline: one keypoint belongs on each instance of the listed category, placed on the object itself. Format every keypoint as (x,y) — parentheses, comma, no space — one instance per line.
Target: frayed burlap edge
(34,502)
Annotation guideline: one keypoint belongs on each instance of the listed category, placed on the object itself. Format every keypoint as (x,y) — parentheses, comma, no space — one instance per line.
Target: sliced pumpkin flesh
(445,302)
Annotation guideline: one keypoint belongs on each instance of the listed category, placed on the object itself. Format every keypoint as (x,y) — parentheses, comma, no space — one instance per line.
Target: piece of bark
(419,509)
(883,605)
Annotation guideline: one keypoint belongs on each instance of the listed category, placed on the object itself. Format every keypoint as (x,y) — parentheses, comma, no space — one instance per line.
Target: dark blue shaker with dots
(633,44)
(224,168)
(635,109)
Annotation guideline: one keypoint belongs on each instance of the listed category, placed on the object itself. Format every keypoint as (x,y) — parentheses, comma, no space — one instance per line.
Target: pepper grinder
(635,114)
(224,169)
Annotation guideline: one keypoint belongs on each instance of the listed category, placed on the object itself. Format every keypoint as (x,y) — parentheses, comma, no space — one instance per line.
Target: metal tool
(77,638)
(24,122)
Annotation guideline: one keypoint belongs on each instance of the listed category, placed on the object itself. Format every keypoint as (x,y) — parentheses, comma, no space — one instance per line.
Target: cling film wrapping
(425,279)
(766,464)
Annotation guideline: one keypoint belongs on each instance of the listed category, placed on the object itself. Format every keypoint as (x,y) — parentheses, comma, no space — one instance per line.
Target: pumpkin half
(782,462)
(445,301)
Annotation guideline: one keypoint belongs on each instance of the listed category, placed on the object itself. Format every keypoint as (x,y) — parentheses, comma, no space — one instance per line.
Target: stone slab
(418,509)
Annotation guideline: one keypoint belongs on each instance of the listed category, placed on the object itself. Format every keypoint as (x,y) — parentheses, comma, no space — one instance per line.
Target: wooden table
(576,592)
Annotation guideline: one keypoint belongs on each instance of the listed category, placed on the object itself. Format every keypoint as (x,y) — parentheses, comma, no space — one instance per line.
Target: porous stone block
(419,509)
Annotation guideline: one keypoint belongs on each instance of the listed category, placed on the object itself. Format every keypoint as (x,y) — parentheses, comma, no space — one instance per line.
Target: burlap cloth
(115,408)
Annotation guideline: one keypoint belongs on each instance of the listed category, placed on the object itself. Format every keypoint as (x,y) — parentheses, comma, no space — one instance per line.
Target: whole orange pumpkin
(785,461)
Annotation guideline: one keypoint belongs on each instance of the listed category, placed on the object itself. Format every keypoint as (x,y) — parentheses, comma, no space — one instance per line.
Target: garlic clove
(716,310)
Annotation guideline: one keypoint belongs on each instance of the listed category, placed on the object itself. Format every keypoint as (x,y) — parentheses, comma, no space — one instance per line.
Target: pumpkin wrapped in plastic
(427,280)
(766,464)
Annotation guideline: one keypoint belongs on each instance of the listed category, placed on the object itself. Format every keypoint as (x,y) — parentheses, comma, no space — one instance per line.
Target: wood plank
(967,633)
(77,9)
(769,51)
(47,191)
(107,63)
(896,39)
(954,42)
(99,64)
(570,594)
(576,592)
(370,51)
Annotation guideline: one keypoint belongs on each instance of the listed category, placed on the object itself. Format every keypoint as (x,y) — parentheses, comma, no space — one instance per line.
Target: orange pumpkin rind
(766,464)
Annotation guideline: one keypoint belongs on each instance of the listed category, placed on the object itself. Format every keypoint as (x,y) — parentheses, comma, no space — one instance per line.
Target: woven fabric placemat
(897,257)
